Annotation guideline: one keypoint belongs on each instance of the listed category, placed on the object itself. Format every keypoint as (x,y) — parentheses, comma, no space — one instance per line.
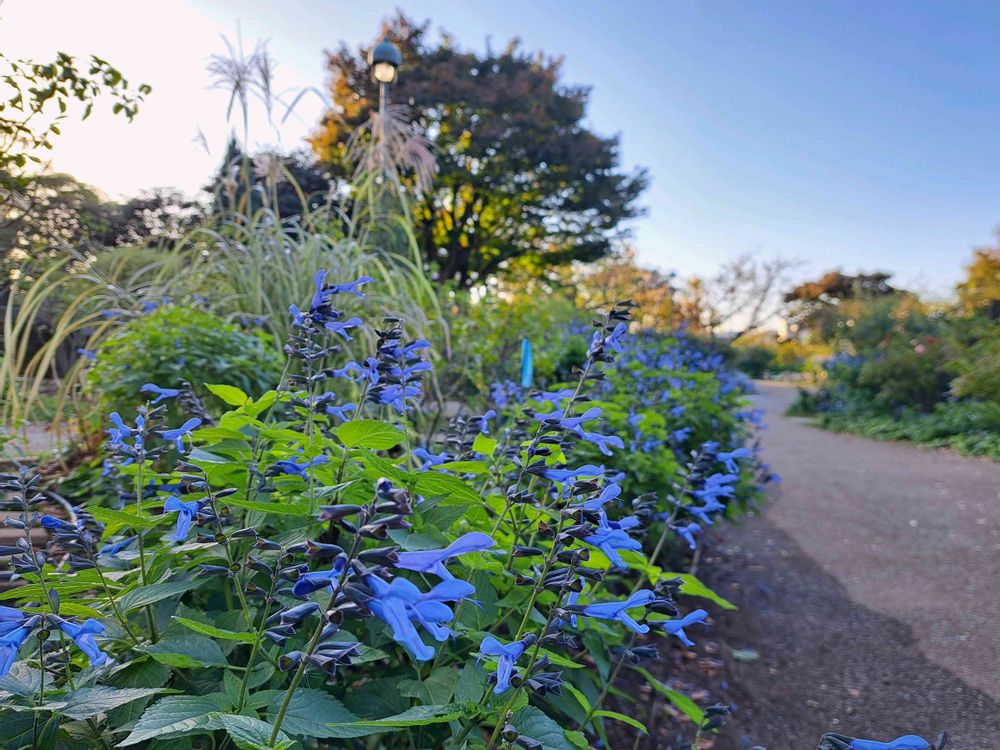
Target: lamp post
(384,59)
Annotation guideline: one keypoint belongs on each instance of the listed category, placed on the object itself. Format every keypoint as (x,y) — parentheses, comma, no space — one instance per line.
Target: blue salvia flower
(429,459)
(484,421)
(676,627)
(677,411)
(112,550)
(507,656)
(619,610)
(398,603)
(178,434)
(351,287)
(395,395)
(82,635)
(341,327)
(86,353)
(119,432)
(433,560)
(679,436)
(729,458)
(906,742)
(687,532)
(186,511)
(556,397)
(610,492)
(553,419)
(603,442)
(321,295)
(569,475)
(319,579)
(291,467)
(609,540)
(344,412)
(11,641)
(162,394)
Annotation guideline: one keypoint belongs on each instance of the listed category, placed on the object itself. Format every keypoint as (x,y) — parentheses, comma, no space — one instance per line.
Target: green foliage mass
(174,344)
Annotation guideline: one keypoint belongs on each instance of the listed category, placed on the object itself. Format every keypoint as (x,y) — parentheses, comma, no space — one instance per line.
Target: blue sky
(853,135)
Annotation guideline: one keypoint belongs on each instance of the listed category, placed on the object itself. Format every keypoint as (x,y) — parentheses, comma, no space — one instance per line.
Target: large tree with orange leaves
(520,178)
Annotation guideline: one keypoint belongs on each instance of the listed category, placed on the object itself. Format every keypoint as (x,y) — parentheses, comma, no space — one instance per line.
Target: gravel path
(870,587)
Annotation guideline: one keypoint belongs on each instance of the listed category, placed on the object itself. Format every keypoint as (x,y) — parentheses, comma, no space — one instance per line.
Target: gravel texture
(869,586)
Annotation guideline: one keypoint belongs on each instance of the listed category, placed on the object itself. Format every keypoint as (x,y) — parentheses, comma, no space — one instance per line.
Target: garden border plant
(313,542)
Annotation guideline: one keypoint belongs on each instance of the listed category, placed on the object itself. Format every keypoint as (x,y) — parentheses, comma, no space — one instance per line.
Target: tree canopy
(520,178)
(980,291)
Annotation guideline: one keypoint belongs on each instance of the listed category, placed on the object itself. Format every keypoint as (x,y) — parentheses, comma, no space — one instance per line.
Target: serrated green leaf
(278,509)
(187,652)
(214,632)
(229,394)
(369,433)
(310,712)
(412,717)
(36,593)
(434,484)
(250,733)
(484,444)
(88,702)
(535,723)
(177,715)
(143,595)
(121,520)
(464,467)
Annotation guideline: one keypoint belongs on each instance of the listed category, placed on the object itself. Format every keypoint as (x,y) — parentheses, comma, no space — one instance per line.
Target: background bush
(173,344)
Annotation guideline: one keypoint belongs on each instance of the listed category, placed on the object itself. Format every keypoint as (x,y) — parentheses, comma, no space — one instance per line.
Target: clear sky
(860,135)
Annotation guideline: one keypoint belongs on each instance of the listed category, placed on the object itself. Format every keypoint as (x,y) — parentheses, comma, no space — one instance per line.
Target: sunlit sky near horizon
(855,135)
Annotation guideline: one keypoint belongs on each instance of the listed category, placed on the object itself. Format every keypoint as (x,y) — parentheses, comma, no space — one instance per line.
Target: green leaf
(691,586)
(187,652)
(369,433)
(471,683)
(310,712)
(683,703)
(177,715)
(88,702)
(250,733)
(412,717)
(464,467)
(230,394)
(437,688)
(143,595)
(621,717)
(121,520)
(278,509)
(535,723)
(376,466)
(36,593)
(214,632)
(433,484)
(484,444)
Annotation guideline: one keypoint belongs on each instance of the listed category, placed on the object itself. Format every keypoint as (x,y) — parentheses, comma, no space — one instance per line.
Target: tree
(980,291)
(815,303)
(520,178)
(740,298)
(288,184)
(619,278)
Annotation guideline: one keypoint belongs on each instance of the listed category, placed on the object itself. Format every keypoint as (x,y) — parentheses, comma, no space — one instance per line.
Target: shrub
(174,344)
(306,570)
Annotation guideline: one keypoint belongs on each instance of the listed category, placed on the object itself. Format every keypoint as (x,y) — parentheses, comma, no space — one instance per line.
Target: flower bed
(306,568)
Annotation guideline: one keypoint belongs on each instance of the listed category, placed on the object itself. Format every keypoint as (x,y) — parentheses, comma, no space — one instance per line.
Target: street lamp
(384,59)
